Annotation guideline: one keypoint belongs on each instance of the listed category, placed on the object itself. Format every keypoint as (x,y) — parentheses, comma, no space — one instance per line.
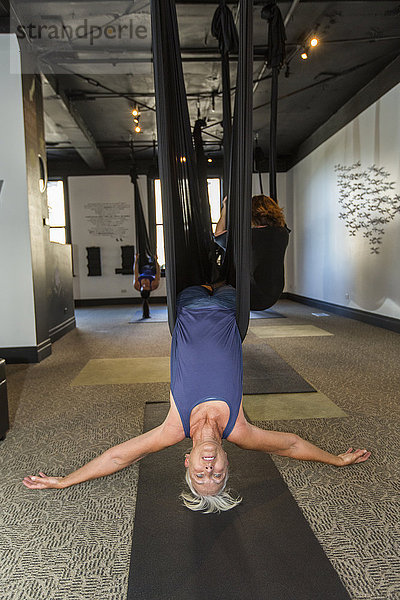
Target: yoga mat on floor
(265,372)
(159,314)
(262,550)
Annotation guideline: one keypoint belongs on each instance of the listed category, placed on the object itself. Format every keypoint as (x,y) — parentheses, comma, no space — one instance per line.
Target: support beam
(64,124)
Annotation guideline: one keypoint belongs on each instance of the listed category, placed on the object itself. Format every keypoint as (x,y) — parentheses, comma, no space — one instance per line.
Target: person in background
(147,279)
(269,240)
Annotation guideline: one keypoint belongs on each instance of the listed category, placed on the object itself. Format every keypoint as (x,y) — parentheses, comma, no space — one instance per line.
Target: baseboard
(27,354)
(113,301)
(350,313)
(57,332)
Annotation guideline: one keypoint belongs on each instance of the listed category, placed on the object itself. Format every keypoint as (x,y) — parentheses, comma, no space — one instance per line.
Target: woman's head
(265,211)
(207,475)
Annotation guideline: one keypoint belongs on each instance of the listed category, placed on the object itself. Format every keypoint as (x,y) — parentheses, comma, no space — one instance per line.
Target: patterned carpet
(75,544)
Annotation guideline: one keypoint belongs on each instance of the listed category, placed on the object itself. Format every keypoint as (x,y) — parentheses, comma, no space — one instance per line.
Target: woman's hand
(351,457)
(41,482)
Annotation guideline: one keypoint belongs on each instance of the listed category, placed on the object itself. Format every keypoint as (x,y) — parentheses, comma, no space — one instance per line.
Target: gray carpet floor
(75,544)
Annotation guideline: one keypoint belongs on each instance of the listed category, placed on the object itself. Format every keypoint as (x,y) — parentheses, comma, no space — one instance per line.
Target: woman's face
(208,467)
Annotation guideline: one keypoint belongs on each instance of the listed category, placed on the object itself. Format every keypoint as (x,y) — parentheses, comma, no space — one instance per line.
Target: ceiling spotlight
(209,160)
(183,159)
(135,112)
(304,55)
(314,42)
(138,129)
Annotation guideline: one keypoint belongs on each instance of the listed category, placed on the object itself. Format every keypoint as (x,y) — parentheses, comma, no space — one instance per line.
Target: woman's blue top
(206,361)
(147,272)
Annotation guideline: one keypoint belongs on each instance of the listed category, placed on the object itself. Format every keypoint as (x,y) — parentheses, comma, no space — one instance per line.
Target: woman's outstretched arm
(112,460)
(250,437)
(156,282)
(136,282)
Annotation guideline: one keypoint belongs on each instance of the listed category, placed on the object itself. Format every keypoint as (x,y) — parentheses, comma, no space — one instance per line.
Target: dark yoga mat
(265,372)
(262,550)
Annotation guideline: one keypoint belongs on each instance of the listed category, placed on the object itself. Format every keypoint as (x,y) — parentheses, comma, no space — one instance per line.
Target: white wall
(17,314)
(112,195)
(325,262)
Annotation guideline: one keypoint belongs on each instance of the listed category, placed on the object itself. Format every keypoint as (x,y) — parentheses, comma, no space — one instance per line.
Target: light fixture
(183,159)
(135,112)
(209,160)
(314,42)
(138,129)
(304,55)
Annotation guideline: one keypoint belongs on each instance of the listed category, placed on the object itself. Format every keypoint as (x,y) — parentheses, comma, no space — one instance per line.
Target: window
(214,195)
(56,206)
(159,224)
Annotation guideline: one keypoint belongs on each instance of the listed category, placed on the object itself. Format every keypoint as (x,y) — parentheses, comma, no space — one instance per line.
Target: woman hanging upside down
(147,279)
(205,405)
(147,276)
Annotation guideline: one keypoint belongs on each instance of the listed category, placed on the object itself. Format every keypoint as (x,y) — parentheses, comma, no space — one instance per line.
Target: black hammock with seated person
(269,240)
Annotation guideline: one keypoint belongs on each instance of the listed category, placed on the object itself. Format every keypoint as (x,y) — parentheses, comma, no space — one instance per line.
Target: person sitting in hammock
(269,240)
(206,406)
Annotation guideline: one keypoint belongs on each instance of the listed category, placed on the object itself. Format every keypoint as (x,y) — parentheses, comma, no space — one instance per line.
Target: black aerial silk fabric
(188,240)
(204,205)
(267,273)
(144,248)
(267,264)
(275,58)
(236,266)
(223,28)
(188,246)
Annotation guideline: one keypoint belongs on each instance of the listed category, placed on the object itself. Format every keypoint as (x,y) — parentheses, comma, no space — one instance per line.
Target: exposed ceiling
(92,83)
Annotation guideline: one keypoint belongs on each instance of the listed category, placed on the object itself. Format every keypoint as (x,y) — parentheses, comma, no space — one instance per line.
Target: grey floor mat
(265,372)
